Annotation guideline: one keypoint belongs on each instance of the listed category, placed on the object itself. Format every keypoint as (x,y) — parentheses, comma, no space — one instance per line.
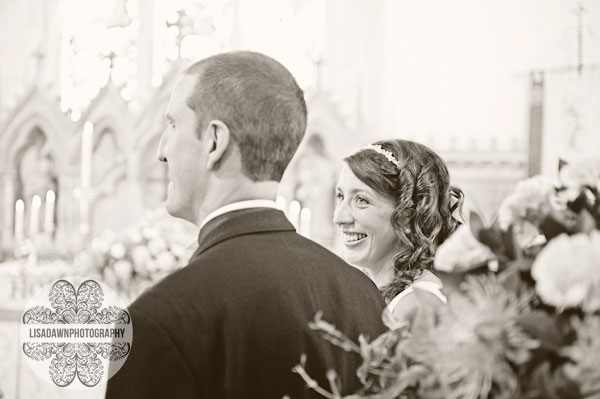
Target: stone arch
(14,141)
(36,145)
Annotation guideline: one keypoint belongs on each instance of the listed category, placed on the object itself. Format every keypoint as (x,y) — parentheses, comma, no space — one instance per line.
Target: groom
(234,321)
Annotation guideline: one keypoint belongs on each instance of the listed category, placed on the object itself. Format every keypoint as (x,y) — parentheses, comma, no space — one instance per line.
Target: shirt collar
(236,206)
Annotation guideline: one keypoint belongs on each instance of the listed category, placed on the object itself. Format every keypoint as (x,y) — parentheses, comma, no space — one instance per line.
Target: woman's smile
(352,239)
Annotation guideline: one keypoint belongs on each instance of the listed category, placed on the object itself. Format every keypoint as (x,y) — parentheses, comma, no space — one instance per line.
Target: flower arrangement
(143,254)
(523,312)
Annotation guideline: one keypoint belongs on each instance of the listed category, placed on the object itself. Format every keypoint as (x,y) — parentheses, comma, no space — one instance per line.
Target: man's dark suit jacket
(234,322)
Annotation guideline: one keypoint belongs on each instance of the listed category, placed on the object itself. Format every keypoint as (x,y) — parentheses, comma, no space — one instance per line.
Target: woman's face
(364,217)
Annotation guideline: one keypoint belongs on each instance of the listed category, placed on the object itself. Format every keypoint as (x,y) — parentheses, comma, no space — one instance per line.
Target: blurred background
(501,89)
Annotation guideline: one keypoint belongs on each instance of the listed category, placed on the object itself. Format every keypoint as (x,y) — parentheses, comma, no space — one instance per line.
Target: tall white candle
(49,212)
(87,148)
(19,220)
(34,215)
(294,214)
(305,222)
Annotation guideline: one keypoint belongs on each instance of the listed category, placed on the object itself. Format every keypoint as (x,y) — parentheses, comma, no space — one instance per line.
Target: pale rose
(118,250)
(135,237)
(150,232)
(123,269)
(156,246)
(461,252)
(567,270)
(151,266)
(165,261)
(533,194)
(177,250)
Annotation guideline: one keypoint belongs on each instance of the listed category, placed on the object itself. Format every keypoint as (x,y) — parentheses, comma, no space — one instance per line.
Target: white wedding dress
(429,286)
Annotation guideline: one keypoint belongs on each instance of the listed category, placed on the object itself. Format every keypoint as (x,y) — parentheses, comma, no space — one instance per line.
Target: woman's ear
(220,137)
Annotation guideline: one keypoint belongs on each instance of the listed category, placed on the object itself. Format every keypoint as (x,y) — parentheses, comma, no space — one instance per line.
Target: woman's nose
(342,214)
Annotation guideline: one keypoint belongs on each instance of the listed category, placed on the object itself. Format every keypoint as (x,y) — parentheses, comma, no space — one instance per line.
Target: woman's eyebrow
(357,190)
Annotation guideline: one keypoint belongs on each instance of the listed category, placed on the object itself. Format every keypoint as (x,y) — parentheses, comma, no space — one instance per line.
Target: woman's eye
(339,196)
(361,200)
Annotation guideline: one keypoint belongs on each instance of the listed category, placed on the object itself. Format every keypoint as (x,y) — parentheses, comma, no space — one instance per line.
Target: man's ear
(220,137)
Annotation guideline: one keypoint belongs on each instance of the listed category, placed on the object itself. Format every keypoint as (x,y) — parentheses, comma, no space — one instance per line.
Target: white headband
(387,154)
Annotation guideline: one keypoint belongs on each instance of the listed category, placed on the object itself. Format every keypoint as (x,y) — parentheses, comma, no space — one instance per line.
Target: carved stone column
(7,206)
(67,207)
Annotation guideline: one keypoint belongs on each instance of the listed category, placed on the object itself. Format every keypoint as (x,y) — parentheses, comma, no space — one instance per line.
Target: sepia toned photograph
(293,199)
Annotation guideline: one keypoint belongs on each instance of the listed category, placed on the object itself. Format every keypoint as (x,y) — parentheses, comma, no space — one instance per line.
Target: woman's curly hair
(424,203)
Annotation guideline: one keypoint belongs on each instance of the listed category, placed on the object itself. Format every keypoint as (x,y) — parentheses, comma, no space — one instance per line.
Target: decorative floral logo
(77,334)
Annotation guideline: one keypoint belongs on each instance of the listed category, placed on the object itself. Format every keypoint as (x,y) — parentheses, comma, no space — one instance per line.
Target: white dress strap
(430,286)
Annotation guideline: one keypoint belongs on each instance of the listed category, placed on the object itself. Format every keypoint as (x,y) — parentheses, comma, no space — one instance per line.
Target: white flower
(165,261)
(150,232)
(156,246)
(135,237)
(461,252)
(567,271)
(177,250)
(151,266)
(118,250)
(534,194)
(123,269)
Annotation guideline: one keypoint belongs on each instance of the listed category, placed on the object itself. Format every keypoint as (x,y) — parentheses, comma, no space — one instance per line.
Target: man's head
(239,111)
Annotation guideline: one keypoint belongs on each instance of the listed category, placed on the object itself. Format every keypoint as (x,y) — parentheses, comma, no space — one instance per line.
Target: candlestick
(19,220)
(87,148)
(49,212)
(305,222)
(294,214)
(34,215)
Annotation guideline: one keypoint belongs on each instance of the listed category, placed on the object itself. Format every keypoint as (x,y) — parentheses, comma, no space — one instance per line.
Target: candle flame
(50,196)
(36,202)
(88,128)
(20,206)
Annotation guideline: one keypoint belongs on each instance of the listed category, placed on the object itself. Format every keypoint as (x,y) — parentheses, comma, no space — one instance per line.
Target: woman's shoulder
(406,302)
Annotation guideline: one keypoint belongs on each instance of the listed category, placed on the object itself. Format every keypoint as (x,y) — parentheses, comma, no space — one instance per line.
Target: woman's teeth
(351,237)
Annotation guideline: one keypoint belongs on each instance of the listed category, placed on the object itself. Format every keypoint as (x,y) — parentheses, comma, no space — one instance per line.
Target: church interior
(501,90)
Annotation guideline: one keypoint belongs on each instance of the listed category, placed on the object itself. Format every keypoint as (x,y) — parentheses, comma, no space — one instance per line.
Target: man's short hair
(261,103)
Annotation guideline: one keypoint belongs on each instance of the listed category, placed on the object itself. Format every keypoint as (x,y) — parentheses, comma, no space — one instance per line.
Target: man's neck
(236,192)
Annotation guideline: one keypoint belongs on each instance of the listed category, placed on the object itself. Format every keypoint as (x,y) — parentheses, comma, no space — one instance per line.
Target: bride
(394,207)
